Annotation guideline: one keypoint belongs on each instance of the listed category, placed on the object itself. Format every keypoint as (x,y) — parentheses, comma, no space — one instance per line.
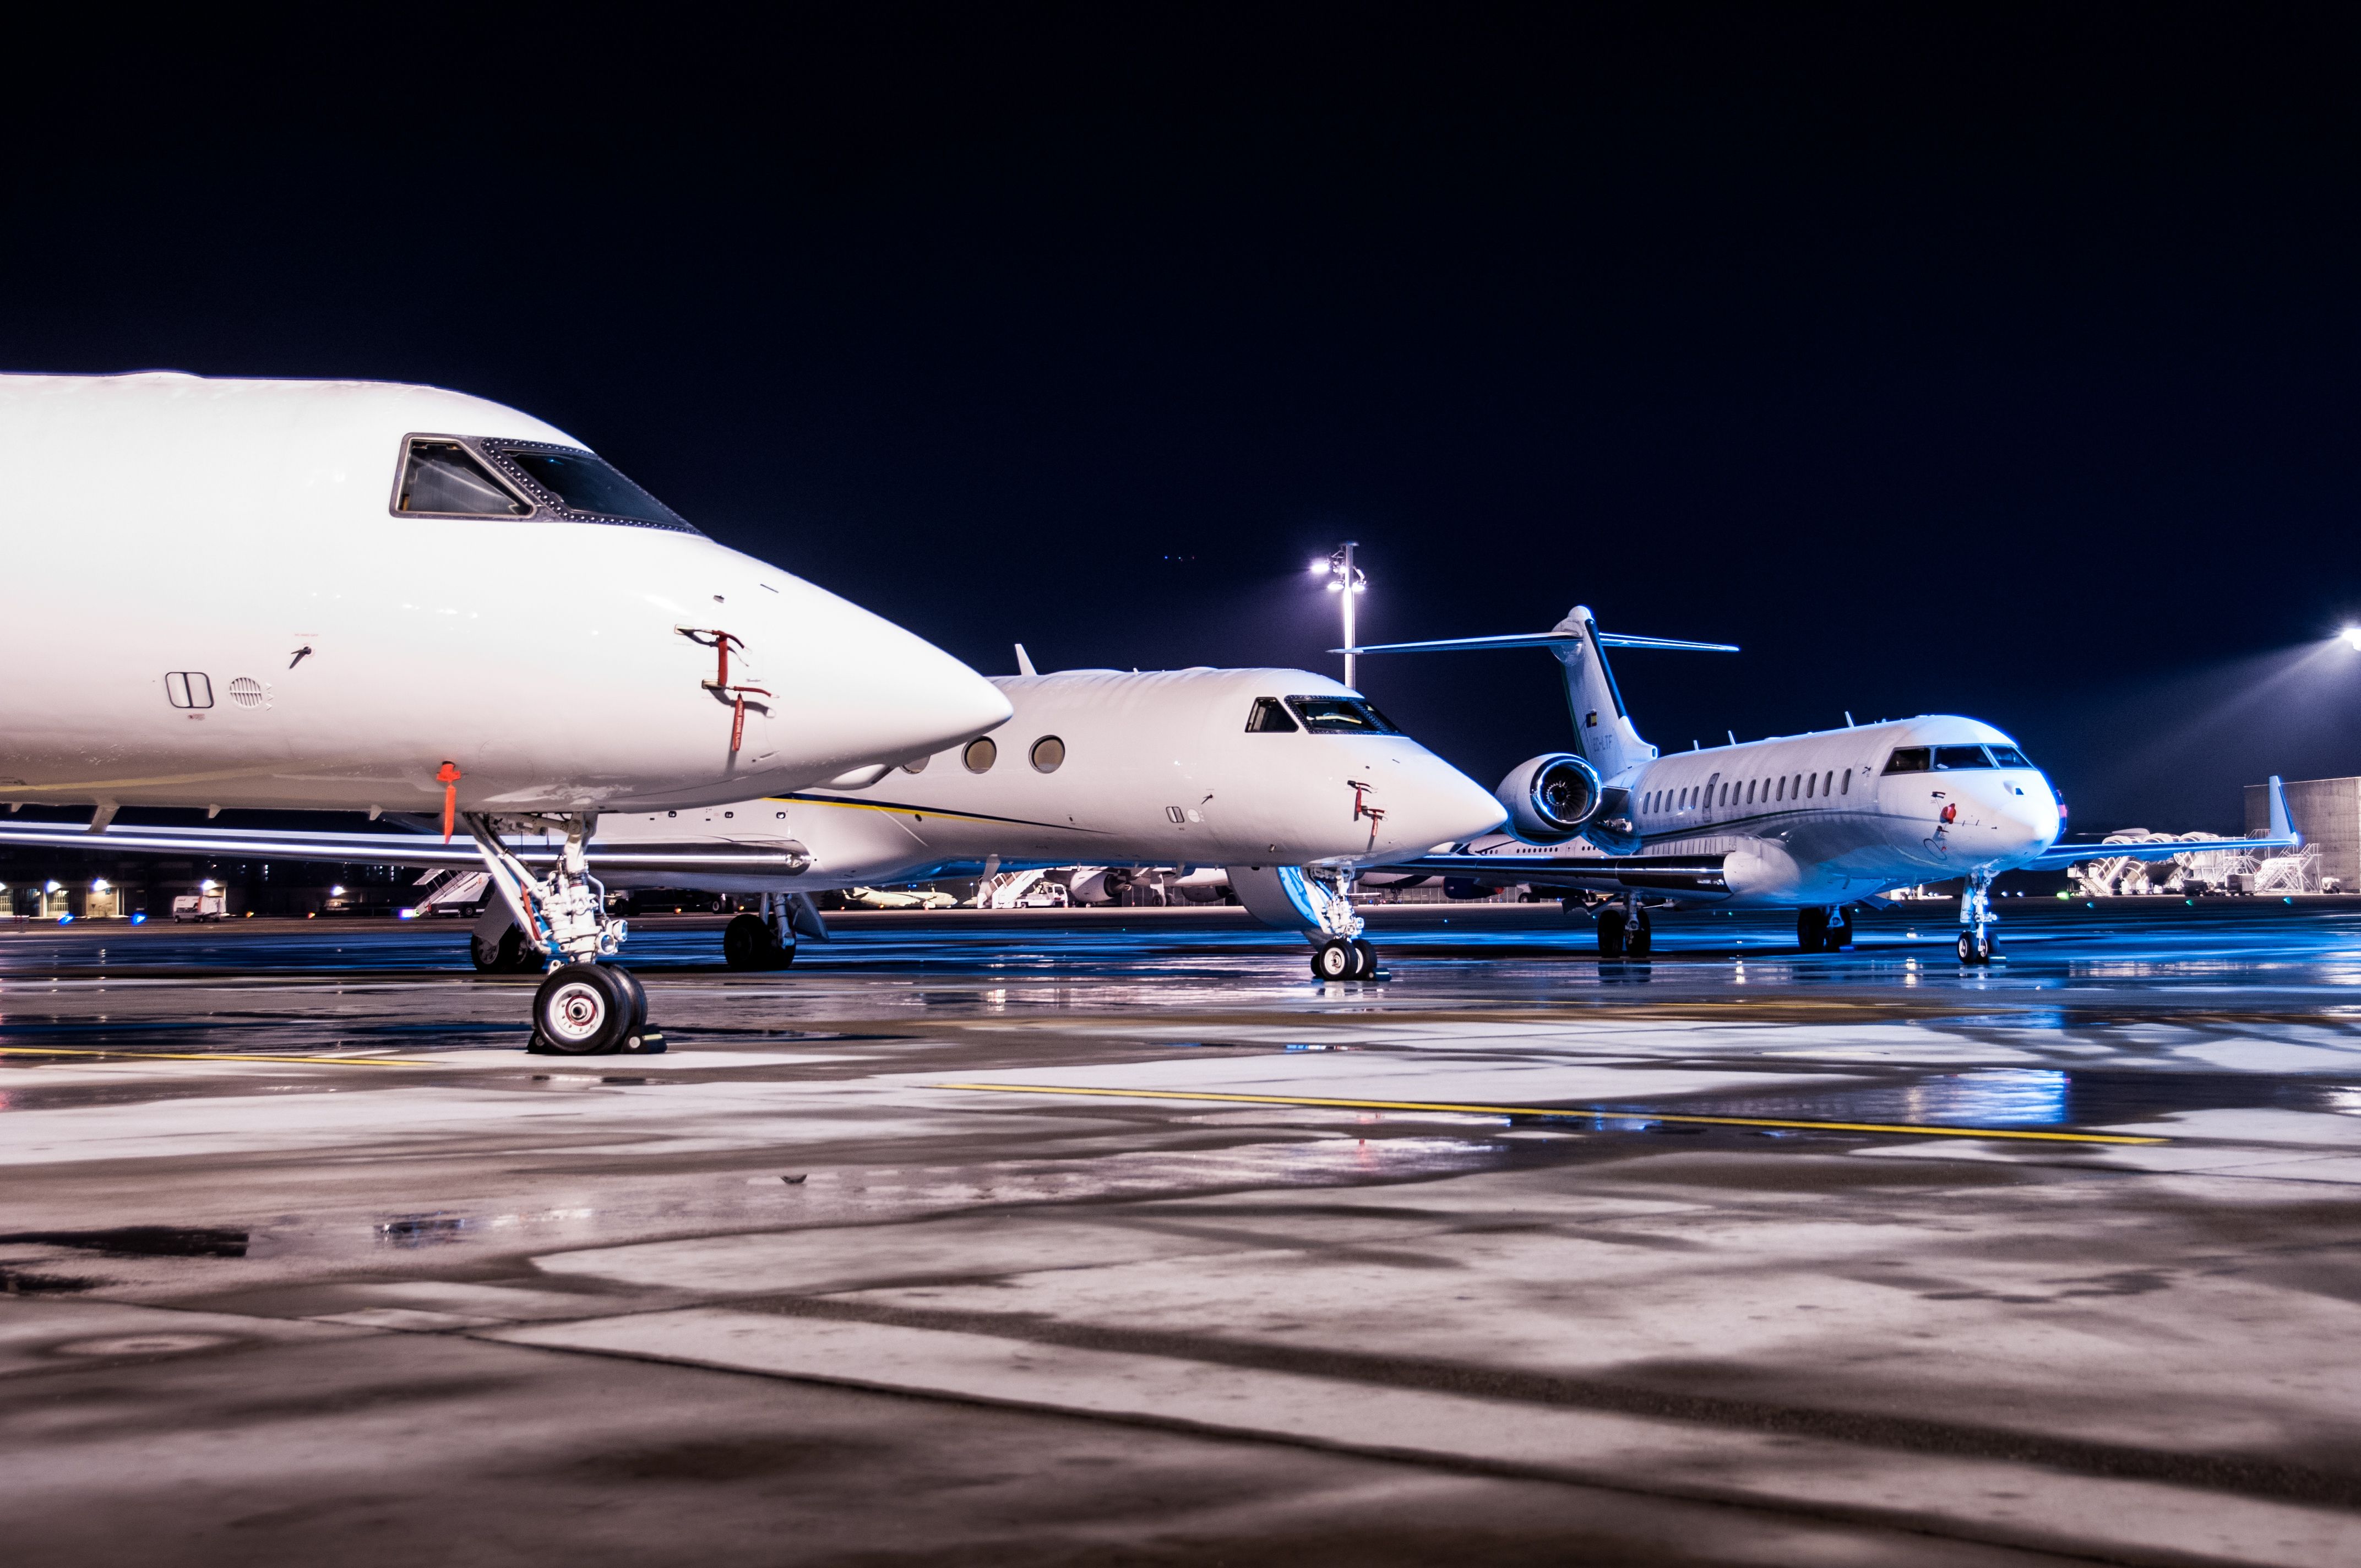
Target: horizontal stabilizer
(1540,640)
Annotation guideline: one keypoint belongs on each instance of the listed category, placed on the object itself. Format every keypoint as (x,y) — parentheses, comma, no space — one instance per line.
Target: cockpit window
(2008,757)
(1952,757)
(1339,716)
(1269,717)
(442,478)
(582,482)
(1909,760)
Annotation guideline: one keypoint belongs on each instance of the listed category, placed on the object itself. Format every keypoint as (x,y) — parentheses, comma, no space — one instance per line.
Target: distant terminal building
(2327,812)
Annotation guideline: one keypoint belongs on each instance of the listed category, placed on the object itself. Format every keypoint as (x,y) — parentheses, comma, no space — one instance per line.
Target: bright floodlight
(2351,635)
(98,884)
(50,886)
(1320,565)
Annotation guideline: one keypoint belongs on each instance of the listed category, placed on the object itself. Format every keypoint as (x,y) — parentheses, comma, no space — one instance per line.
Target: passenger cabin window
(582,482)
(1952,757)
(1339,716)
(2008,757)
(1909,759)
(441,478)
(1269,717)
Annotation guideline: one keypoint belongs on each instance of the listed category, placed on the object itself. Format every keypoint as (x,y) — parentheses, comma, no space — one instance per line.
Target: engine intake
(1551,797)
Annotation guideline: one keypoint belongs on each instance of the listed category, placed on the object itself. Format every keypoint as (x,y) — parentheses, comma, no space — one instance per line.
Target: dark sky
(2002,364)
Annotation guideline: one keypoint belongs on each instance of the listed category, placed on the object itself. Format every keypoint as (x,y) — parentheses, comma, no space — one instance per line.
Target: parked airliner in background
(1273,773)
(1820,822)
(354,595)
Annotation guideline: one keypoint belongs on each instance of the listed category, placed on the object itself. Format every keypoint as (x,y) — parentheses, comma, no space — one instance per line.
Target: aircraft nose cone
(2028,823)
(855,689)
(1440,805)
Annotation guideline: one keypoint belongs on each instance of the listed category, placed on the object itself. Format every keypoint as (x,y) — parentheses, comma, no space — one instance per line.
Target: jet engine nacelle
(1550,798)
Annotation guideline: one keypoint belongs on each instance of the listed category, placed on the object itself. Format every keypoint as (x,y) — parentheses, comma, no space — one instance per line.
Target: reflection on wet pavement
(1788,1259)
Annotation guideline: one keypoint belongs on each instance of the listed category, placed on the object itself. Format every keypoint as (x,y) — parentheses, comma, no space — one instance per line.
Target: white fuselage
(1817,819)
(1154,768)
(214,600)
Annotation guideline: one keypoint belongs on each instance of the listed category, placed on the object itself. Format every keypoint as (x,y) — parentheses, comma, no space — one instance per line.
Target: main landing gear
(1340,953)
(1977,942)
(584,1007)
(1821,930)
(1623,930)
(767,941)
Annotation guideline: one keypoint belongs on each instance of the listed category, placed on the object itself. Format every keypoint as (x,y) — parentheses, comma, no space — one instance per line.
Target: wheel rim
(576,1012)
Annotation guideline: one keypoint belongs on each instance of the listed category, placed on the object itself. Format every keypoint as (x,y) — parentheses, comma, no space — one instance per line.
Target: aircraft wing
(2282,835)
(1609,873)
(2057,857)
(393,849)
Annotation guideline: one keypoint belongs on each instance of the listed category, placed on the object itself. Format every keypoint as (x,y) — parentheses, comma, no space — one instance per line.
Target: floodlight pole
(1347,596)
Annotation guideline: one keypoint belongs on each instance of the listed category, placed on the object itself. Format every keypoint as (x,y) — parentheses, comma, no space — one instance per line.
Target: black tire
(1839,933)
(1811,929)
(1972,951)
(747,942)
(511,955)
(1334,961)
(1639,938)
(1365,966)
(587,1010)
(1611,925)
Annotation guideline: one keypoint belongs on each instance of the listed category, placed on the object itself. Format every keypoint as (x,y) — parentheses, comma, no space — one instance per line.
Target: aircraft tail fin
(2280,827)
(1603,731)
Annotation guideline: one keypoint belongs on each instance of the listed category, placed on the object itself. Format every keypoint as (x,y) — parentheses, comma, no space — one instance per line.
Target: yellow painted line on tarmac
(1914,1129)
(205,1055)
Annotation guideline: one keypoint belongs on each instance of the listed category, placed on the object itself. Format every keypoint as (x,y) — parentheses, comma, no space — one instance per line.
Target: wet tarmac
(1111,1237)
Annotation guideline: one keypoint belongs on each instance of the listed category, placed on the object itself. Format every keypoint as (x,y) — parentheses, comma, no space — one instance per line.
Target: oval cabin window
(1048,754)
(980,755)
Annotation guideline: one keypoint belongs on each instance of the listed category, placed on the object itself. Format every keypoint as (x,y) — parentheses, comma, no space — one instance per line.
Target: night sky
(2003,365)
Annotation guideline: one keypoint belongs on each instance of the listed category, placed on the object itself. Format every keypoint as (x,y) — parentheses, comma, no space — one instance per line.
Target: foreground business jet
(1817,822)
(1272,773)
(353,596)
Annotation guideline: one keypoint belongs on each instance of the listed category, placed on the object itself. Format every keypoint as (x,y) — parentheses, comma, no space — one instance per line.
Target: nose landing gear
(583,1008)
(1341,954)
(1977,942)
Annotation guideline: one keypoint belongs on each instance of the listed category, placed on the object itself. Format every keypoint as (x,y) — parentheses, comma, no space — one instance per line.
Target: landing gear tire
(1811,930)
(748,942)
(587,1010)
(509,955)
(1335,960)
(1838,936)
(1366,957)
(1638,938)
(1612,927)
(1975,949)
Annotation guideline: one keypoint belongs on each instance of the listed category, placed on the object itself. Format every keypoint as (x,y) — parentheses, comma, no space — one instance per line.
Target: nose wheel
(1342,958)
(588,1010)
(1977,941)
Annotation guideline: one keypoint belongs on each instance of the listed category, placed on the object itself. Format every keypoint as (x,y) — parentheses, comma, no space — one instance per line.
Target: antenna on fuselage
(1025,662)
(1849,718)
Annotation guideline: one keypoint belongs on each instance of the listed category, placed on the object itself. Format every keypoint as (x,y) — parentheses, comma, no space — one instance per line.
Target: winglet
(1025,662)
(2279,826)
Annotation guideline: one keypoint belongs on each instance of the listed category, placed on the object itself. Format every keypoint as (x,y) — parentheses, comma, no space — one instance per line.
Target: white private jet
(1285,777)
(354,595)
(1817,822)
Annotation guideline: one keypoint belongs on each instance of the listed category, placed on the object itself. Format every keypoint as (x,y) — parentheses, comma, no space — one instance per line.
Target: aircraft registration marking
(1913,1129)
